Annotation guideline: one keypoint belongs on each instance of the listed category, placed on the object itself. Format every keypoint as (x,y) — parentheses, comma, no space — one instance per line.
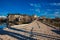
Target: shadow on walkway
(31,32)
(38,24)
(15,35)
(38,34)
(56,31)
(21,30)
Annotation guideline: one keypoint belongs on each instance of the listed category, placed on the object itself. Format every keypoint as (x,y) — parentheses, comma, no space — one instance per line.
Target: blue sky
(48,8)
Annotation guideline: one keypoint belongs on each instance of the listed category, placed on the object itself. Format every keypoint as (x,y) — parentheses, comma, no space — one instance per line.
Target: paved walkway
(33,31)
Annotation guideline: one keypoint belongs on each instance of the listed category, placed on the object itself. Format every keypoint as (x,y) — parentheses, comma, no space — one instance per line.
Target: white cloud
(32,9)
(57,14)
(35,5)
(31,4)
(56,4)
(49,9)
(37,10)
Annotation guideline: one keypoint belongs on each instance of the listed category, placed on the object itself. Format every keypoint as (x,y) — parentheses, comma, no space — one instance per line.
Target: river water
(3,25)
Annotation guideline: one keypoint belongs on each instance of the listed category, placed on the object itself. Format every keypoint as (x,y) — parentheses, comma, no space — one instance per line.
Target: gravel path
(33,31)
